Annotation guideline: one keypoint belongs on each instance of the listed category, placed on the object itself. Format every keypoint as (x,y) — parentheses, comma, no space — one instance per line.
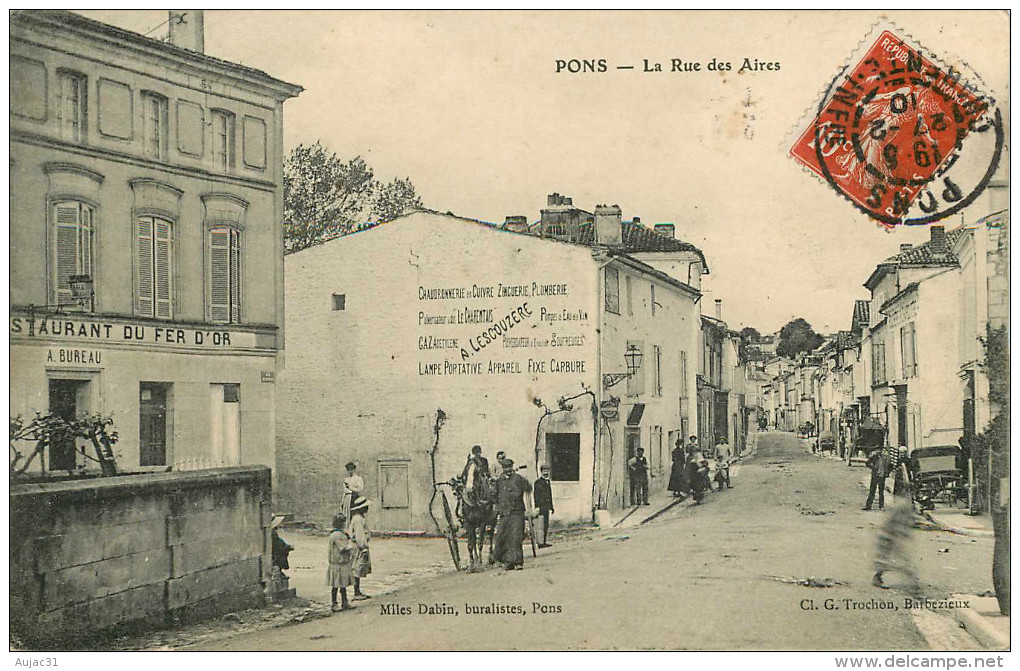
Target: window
(554,229)
(564,454)
(73,106)
(223,140)
(73,246)
(153,423)
(155,292)
(613,290)
(339,301)
(155,110)
(657,361)
(393,485)
(224,275)
(877,362)
(908,350)
(630,296)
(653,299)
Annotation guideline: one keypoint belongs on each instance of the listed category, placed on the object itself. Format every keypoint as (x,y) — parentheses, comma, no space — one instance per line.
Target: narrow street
(699,577)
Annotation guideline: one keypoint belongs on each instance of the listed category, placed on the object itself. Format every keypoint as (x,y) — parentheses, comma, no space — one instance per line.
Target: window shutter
(235,277)
(145,295)
(67,218)
(164,269)
(85,242)
(219,275)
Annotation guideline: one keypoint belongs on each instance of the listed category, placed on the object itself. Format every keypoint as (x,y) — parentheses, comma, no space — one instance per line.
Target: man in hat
(544,503)
(476,466)
(360,535)
(638,465)
(510,491)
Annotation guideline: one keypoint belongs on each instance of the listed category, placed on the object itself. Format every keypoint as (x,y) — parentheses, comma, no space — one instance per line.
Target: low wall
(138,550)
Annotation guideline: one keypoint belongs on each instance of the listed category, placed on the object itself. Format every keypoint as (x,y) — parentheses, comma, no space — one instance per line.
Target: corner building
(154,173)
(412,341)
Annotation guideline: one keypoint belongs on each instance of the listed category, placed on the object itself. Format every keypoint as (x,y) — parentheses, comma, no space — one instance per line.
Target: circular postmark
(889,135)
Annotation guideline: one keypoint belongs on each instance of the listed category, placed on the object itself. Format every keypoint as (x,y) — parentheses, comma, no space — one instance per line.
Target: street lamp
(633,358)
(82,295)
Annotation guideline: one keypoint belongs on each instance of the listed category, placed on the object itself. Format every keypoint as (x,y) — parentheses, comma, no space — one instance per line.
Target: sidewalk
(959,522)
(983,621)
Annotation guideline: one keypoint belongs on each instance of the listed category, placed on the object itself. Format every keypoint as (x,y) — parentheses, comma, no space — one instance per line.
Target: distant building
(146,276)
(414,340)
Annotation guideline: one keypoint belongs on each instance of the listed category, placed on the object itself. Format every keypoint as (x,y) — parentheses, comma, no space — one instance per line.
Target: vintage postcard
(510,330)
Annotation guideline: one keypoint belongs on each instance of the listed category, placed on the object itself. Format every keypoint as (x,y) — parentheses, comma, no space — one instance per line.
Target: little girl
(341,557)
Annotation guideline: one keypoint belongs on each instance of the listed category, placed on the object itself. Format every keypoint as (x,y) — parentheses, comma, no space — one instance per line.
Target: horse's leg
(469,526)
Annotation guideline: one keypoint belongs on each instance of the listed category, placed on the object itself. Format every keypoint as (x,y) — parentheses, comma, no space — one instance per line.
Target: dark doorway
(152,423)
(64,395)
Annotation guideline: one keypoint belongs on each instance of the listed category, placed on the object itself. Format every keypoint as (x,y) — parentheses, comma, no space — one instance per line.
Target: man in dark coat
(510,491)
(544,503)
(481,463)
(638,465)
(879,462)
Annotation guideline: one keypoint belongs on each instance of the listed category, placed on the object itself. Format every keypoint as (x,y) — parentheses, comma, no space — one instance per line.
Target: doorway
(67,399)
(153,423)
(225,424)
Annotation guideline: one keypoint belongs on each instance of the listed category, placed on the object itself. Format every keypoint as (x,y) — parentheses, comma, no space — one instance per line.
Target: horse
(476,512)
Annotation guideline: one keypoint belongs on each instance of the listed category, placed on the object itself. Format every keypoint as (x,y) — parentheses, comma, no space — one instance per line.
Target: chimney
(608,225)
(553,200)
(666,229)
(636,220)
(938,240)
(718,309)
(518,223)
(568,201)
(906,247)
(187,29)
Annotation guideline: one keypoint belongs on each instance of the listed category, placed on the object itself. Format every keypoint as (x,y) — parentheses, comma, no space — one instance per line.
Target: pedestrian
(544,503)
(510,491)
(281,548)
(360,535)
(354,484)
(341,558)
(722,464)
(676,471)
(878,461)
(638,465)
(697,474)
(500,458)
(892,549)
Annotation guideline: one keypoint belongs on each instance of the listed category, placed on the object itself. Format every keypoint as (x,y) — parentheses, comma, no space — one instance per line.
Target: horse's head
(457,484)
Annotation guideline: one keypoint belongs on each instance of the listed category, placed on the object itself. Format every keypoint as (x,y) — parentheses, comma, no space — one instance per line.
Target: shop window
(73,248)
(393,485)
(564,454)
(612,290)
(155,123)
(224,275)
(154,417)
(73,106)
(155,282)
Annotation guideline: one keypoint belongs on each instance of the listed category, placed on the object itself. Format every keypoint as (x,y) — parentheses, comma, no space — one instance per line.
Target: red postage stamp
(890,127)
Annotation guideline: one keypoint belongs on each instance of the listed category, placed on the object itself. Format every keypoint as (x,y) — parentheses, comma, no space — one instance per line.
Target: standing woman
(353,486)
(676,472)
(360,536)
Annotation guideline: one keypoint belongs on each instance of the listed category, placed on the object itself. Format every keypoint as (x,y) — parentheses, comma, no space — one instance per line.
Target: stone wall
(108,554)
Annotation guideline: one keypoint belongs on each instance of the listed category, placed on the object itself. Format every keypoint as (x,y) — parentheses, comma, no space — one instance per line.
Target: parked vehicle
(826,442)
(936,476)
(870,437)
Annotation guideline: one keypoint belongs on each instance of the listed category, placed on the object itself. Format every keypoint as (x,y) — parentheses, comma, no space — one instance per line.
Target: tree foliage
(325,196)
(796,337)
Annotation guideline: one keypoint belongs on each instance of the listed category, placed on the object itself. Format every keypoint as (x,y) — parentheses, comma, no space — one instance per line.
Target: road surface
(699,577)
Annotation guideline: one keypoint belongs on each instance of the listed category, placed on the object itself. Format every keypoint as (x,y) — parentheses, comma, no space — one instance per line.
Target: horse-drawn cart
(870,437)
(936,476)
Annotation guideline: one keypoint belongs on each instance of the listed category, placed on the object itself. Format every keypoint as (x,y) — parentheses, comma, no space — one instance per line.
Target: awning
(634,418)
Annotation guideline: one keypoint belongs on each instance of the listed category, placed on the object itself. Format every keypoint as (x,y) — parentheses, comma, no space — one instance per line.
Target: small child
(341,558)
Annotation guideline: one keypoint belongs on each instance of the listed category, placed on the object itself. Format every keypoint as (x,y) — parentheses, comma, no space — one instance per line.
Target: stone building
(412,341)
(146,252)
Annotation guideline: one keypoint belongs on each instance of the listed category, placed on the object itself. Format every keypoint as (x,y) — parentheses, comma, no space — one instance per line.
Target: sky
(469,106)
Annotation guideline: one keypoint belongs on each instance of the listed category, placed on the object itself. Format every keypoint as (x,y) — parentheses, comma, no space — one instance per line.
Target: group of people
(510,492)
(349,557)
(690,471)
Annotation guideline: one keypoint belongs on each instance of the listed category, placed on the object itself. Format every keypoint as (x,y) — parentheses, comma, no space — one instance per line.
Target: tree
(796,337)
(393,200)
(44,431)
(325,196)
(749,334)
